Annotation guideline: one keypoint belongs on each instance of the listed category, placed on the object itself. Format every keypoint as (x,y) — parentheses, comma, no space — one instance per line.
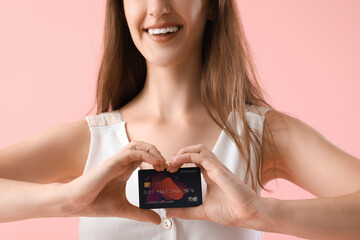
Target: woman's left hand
(228,200)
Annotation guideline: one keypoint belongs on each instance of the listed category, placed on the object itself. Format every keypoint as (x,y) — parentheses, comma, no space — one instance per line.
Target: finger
(178,161)
(147,147)
(145,215)
(139,155)
(199,148)
(150,148)
(157,162)
(187,213)
(117,164)
(214,172)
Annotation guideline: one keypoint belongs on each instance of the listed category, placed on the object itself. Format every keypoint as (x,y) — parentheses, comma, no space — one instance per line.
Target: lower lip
(162,39)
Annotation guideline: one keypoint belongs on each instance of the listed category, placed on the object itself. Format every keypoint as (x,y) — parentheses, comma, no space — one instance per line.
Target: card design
(170,190)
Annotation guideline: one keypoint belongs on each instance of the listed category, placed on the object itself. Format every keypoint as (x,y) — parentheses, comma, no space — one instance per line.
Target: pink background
(307,54)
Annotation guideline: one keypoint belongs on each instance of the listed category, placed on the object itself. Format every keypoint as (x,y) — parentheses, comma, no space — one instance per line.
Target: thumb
(186,213)
(139,214)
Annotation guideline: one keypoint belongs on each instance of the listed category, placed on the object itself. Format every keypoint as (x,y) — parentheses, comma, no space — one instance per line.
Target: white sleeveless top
(108,136)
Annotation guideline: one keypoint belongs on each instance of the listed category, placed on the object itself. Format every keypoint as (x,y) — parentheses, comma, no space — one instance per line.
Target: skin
(181,127)
(166,78)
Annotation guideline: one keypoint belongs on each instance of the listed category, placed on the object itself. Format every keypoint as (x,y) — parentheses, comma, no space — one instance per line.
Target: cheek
(195,15)
(134,16)
(197,11)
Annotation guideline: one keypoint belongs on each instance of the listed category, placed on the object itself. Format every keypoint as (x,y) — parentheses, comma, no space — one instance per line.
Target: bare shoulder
(57,154)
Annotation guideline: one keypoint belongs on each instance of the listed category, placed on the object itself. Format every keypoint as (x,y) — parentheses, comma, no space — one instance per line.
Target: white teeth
(156,31)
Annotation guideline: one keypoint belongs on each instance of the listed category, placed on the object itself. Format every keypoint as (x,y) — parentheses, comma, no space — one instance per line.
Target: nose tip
(158,8)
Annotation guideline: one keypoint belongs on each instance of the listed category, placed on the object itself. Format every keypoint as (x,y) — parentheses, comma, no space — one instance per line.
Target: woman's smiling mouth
(162,33)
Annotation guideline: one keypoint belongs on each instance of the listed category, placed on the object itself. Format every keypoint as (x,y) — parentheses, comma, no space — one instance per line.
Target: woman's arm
(97,193)
(24,200)
(57,154)
(30,169)
(323,218)
(307,159)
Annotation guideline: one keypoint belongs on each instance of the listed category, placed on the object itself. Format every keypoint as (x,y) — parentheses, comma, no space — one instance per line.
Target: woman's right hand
(101,191)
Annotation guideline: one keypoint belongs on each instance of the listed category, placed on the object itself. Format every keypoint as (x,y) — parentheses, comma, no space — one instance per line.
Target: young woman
(177,88)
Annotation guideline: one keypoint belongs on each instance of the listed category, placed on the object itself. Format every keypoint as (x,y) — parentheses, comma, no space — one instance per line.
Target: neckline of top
(128,140)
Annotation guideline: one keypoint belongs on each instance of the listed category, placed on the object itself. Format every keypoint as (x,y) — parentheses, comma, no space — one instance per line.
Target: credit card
(170,190)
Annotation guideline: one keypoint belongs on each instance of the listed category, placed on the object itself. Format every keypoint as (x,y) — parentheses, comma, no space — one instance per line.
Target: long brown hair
(229,81)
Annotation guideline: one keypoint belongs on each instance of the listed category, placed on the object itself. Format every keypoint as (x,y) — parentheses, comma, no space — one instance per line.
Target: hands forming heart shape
(101,191)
